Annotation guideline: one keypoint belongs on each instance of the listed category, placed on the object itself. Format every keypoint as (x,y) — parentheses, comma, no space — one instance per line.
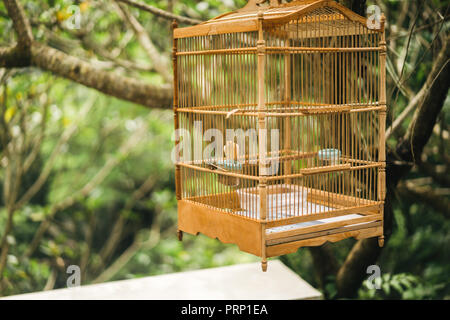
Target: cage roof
(246,18)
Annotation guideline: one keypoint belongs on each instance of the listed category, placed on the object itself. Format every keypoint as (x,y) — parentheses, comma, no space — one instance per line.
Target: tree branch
(20,23)
(353,271)
(65,136)
(31,53)
(325,263)
(36,144)
(410,148)
(14,57)
(75,69)
(124,258)
(107,55)
(160,64)
(437,176)
(417,29)
(426,194)
(116,232)
(110,83)
(113,161)
(160,13)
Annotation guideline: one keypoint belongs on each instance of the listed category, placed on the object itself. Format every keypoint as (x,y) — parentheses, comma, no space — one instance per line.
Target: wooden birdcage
(301,85)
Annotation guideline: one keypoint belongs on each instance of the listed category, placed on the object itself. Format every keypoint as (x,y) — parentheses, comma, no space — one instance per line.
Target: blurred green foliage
(414,264)
(99,134)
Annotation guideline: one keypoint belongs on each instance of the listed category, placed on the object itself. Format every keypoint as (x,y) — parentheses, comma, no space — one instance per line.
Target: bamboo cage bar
(287,100)
(175,109)
(281,113)
(382,124)
(262,138)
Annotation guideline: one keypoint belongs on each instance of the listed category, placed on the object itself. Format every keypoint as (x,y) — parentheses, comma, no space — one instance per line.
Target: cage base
(247,234)
(316,240)
(195,218)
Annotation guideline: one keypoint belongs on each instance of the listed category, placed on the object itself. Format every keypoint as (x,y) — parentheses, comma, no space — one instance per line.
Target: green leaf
(386,288)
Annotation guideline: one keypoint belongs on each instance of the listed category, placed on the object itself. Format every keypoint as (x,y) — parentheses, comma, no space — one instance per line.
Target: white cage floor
(309,207)
(282,205)
(291,202)
(312,223)
(286,211)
